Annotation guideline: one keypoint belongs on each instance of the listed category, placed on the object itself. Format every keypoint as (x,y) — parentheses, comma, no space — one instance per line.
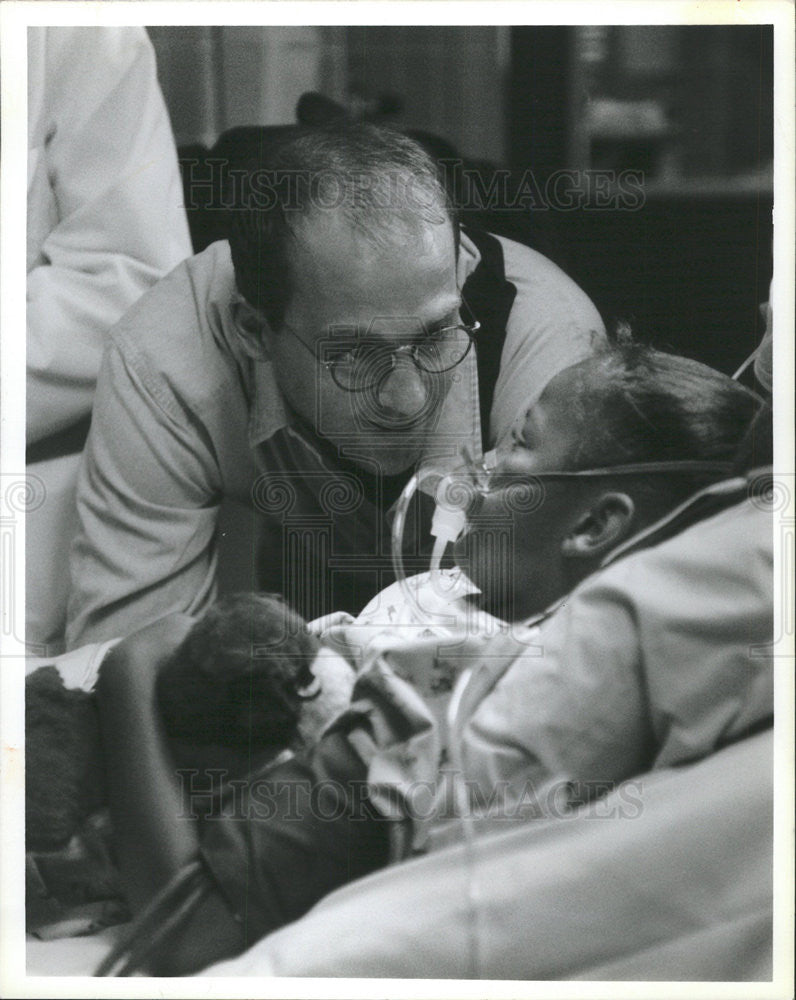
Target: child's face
(548,437)
(513,549)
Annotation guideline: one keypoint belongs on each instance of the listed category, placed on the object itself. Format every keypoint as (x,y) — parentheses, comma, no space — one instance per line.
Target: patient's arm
(151,841)
(306,826)
(154,840)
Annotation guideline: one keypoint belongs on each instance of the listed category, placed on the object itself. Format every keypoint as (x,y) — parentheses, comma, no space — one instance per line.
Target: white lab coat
(105,221)
(105,206)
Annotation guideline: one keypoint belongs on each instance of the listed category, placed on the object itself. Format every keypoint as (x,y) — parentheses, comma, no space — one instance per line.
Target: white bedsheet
(675,885)
(668,878)
(78,956)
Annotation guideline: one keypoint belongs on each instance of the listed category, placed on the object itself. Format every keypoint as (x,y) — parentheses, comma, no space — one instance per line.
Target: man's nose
(403,391)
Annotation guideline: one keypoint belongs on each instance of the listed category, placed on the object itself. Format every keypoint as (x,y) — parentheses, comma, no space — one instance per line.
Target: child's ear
(252,327)
(607,523)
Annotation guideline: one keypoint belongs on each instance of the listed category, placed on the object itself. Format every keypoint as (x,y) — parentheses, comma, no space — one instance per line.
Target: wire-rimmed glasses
(366,363)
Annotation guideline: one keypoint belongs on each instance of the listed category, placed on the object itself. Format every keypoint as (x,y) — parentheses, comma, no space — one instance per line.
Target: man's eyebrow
(443,317)
(355,332)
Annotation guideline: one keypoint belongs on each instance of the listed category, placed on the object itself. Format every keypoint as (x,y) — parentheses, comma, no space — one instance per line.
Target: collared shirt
(183,419)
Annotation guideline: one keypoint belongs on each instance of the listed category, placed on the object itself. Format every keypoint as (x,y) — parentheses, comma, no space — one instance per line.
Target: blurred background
(639,158)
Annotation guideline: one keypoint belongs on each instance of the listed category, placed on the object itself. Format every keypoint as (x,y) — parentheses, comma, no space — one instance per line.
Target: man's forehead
(330,236)
(340,276)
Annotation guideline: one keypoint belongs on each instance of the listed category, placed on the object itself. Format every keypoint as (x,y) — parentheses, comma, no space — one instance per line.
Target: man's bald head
(378,184)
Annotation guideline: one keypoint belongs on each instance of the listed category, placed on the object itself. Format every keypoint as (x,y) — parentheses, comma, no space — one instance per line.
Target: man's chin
(386,457)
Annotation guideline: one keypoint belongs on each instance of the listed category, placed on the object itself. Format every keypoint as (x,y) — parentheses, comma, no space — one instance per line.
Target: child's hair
(238,676)
(637,404)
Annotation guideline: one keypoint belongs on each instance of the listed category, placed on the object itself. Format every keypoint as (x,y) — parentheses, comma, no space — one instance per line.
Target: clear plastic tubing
(398,526)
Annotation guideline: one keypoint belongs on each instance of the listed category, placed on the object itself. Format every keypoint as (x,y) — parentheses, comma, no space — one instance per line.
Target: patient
(585,491)
(646,594)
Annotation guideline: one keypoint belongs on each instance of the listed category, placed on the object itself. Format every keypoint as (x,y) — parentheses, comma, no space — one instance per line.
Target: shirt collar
(469,259)
(268,410)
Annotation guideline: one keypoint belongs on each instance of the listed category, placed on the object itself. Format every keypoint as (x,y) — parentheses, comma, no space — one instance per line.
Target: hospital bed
(667,878)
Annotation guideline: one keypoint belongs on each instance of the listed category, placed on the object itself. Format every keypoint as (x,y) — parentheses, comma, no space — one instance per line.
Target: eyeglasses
(366,364)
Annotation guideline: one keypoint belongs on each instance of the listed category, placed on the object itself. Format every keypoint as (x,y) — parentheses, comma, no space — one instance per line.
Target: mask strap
(685,466)
(636,468)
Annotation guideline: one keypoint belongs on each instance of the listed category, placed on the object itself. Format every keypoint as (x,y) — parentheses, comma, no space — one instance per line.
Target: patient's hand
(321,626)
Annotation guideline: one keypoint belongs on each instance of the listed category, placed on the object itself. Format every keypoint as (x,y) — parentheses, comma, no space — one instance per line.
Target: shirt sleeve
(105,207)
(148,496)
(553,324)
(79,669)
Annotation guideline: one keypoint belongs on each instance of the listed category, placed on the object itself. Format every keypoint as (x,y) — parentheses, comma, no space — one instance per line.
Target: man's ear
(607,523)
(252,327)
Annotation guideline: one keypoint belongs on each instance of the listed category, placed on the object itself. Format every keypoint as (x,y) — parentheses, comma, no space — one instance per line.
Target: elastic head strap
(641,468)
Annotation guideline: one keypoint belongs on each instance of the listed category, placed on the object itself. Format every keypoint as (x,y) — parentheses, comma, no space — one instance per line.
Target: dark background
(689,109)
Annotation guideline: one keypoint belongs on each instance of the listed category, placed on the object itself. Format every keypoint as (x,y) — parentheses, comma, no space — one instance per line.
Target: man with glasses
(347,334)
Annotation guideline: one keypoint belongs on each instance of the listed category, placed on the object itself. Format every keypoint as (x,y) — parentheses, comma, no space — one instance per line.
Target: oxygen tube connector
(447,524)
(453,495)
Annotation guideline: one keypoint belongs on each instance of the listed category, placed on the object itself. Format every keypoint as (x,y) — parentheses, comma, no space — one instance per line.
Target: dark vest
(488,297)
